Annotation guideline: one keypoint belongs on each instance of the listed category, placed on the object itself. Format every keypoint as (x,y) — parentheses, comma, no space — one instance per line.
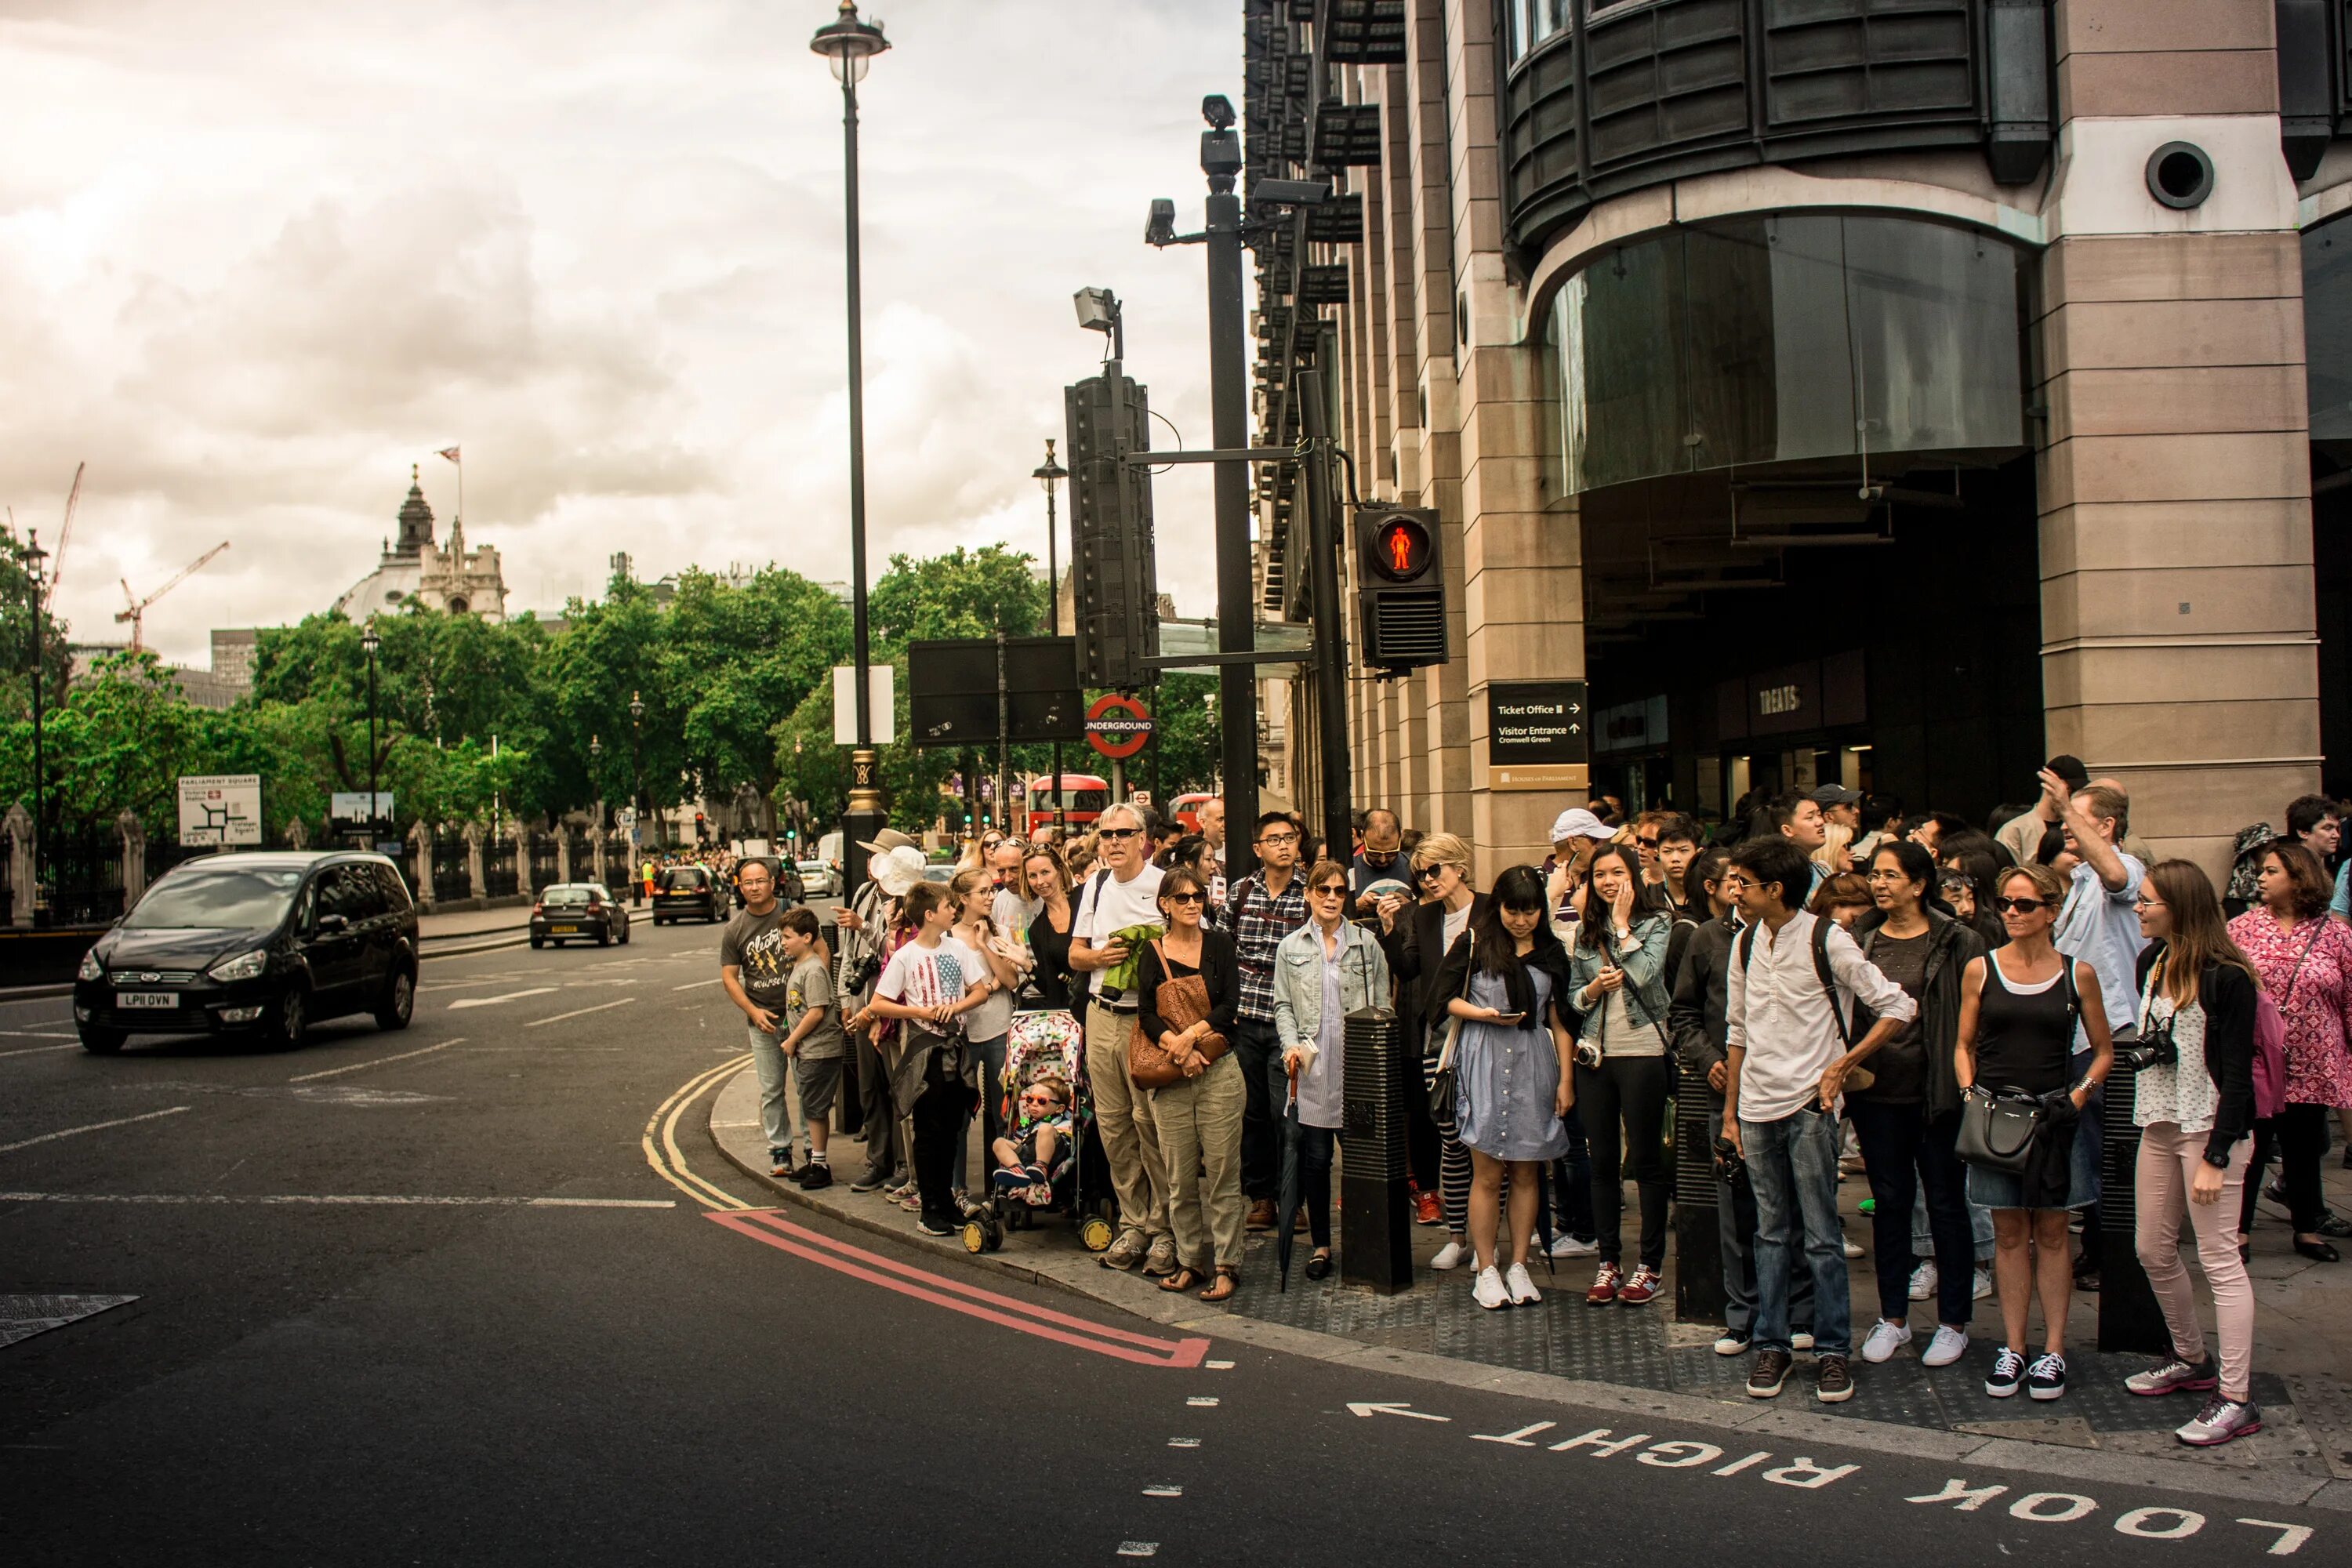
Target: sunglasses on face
(1647,843)
(1187,897)
(1119,833)
(1334,890)
(2019,906)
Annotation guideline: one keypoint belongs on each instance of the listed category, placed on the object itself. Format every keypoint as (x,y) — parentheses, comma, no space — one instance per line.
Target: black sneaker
(2008,1371)
(930,1226)
(1771,1371)
(869,1181)
(816,1176)
(2046,1379)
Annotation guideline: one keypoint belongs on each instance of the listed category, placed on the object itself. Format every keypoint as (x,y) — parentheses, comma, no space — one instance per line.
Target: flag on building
(451,453)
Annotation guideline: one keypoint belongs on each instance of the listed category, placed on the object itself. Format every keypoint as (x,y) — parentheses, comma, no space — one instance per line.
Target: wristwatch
(2220,1163)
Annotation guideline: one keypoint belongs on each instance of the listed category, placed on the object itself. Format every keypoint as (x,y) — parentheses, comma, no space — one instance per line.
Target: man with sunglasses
(1124,892)
(1265,906)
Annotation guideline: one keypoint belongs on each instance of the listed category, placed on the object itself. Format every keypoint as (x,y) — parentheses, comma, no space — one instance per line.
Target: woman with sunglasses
(1421,937)
(1200,1115)
(1508,984)
(2193,1101)
(1617,995)
(2019,1004)
(1324,970)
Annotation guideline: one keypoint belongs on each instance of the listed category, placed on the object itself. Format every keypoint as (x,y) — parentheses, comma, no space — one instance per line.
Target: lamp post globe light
(1051,474)
(369,643)
(849,45)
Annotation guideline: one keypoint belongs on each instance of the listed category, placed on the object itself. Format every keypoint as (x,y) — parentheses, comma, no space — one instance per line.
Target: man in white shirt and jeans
(1786,1064)
(1125,893)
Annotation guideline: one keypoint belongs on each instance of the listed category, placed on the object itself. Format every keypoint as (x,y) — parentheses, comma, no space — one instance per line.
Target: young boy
(814,1043)
(1026,1158)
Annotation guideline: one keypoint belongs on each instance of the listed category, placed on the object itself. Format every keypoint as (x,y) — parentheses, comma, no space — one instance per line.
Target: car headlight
(91,969)
(244,966)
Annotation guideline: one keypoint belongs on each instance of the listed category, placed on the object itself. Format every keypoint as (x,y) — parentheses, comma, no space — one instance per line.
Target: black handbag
(1998,1128)
(1442,1080)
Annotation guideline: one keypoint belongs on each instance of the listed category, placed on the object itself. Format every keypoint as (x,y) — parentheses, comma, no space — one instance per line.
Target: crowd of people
(1933,1007)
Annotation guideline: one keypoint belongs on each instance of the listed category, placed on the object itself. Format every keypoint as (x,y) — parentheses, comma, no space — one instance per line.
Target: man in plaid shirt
(1262,908)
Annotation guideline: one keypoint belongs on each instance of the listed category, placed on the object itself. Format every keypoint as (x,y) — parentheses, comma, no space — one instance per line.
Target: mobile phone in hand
(1508,1018)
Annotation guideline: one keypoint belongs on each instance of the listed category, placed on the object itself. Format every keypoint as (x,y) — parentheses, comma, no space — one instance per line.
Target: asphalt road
(312,1372)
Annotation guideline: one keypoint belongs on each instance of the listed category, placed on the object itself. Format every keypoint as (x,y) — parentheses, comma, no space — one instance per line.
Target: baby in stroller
(1025,1159)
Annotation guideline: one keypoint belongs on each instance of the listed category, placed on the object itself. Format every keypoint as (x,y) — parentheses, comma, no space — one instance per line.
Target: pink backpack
(2270,1057)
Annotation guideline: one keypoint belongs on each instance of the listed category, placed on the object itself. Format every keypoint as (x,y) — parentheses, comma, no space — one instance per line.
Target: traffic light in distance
(1400,588)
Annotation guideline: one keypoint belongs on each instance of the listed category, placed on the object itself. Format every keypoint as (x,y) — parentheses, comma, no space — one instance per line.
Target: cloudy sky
(258,256)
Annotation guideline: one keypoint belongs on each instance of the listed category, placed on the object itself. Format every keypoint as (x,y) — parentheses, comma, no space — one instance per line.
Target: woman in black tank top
(2017,1032)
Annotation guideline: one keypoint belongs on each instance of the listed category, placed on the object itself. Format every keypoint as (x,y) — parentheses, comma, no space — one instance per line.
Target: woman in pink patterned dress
(2304,960)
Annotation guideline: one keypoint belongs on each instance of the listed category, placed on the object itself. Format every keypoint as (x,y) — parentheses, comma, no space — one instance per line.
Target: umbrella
(1286,1226)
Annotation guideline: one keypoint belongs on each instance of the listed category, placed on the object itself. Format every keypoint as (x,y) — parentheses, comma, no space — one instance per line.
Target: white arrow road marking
(1394,1409)
(93,1127)
(494,1001)
(541,1022)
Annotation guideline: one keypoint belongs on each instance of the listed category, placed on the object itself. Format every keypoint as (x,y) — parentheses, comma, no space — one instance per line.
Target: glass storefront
(1784,338)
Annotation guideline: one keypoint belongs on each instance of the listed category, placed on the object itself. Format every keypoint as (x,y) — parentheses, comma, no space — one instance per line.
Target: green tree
(744,660)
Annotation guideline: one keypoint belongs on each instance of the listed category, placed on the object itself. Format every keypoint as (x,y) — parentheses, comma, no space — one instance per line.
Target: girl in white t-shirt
(928,985)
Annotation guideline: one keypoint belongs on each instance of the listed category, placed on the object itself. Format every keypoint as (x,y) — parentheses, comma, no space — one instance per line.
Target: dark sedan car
(261,943)
(578,911)
(683,890)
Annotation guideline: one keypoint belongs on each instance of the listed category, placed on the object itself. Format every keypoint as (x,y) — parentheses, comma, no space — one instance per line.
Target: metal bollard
(2129,1317)
(1375,1221)
(1698,1236)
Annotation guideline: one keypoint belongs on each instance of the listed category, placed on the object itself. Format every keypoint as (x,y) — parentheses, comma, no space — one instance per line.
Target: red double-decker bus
(1083,797)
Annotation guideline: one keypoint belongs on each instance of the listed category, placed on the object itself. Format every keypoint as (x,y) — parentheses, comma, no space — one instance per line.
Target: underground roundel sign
(1118,726)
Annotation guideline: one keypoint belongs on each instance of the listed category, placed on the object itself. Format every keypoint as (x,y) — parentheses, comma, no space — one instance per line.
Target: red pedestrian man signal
(1401,547)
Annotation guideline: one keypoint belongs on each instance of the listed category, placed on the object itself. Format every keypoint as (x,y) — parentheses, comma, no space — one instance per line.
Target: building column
(2179,641)
(19,825)
(475,879)
(134,856)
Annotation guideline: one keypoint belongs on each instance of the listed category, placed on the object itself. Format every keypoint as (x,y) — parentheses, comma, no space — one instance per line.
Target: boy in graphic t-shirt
(815,1042)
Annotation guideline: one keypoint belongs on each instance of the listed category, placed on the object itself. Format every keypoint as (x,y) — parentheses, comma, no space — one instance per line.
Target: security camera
(1291,193)
(1098,308)
(1161,227)
(1218,110)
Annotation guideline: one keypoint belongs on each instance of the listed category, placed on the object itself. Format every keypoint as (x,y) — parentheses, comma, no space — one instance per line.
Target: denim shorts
(2000,1190)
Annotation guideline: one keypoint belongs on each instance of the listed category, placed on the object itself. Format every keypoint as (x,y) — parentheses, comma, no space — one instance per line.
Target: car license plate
(563,931)
(157,1001)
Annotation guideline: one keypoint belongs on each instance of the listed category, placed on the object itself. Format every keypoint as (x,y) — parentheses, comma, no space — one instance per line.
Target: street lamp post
(1050,474)
(636,795)
(371,642)
(596,781)
(850,45)
(33,557)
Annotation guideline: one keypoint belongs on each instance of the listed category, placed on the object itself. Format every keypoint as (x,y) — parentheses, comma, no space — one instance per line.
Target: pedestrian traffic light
(1114,574)
(1400,588)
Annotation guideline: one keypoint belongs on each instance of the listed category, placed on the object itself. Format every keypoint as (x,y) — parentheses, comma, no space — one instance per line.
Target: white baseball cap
(1577,823)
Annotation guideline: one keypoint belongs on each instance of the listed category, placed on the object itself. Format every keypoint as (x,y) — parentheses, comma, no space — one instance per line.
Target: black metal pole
(1054,615)
(1330,624)
(40,771)
(1236,617)
(863,819)
(371,810)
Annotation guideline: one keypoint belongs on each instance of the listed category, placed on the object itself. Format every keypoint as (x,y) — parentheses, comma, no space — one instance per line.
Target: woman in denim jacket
(1618,996)
(1324,970)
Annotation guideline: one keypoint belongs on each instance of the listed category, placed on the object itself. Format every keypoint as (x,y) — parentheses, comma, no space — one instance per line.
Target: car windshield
(246,896)
(564,896)
(684,882)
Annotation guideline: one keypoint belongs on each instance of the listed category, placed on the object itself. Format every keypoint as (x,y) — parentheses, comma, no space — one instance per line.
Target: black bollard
(1699,1237)
(2130,1318)
(1375,1220)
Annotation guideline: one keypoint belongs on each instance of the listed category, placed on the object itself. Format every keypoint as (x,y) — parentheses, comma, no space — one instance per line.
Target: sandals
(1184,1279)
(1224,1285)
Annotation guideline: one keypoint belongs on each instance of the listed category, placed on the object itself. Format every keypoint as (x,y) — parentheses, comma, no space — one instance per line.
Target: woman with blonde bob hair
(1416,939)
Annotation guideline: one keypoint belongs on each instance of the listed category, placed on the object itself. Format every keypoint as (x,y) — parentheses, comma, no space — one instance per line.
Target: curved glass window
(1767,339)
(1534,22)
(2327,333)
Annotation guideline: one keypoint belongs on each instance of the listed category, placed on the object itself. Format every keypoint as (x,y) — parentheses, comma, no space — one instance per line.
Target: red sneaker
(1639,1289)
(1605,1286)
(1425,1210)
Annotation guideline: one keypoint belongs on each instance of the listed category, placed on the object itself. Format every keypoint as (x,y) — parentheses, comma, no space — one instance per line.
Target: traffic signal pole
(1328,617)
(1229,431)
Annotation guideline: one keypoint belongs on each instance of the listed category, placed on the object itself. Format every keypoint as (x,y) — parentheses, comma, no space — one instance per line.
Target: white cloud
(260,256)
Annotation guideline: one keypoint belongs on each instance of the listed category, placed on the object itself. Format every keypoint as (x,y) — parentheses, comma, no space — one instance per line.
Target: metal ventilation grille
(1409,626)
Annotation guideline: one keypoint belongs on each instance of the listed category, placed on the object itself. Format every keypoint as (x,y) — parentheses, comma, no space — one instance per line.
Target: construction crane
(65,536)
(138,606)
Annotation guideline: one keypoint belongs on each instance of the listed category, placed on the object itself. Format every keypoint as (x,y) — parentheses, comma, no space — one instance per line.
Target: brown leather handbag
(1182,1002)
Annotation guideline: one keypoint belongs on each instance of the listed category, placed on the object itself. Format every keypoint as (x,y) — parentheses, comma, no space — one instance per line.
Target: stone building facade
(1888,391)
(449,577)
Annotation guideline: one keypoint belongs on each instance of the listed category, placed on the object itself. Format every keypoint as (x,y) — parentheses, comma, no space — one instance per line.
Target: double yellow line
(665,1158)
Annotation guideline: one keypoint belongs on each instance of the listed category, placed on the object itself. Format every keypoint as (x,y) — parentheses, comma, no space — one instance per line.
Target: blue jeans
(990,1054)
(1315,1146)
(1792,1165)
(780,1100)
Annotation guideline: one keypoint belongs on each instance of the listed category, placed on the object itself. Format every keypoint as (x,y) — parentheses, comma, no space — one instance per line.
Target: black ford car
(261,943)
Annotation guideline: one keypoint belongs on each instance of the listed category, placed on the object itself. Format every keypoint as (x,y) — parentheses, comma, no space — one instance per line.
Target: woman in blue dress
(1506,985)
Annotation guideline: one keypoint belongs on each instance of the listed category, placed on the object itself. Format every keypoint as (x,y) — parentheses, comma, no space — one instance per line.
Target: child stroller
(1047,1044)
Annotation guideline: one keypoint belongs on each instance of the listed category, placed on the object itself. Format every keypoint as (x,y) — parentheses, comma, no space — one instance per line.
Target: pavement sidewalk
(1640,1360)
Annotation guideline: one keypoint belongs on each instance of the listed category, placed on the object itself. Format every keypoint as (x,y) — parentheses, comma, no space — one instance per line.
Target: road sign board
(1118,726)
(220,808)
(352,805)
(1538,734)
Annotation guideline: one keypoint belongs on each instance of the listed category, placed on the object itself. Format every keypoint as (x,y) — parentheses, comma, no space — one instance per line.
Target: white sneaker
(1452,1255)
(1884,1339)
(1949,1346)
(1801,1341)
(1566,1246)
(1923,1281)
(1522,1288)
(1487,1290)
(1852,1247)
(1983,1287)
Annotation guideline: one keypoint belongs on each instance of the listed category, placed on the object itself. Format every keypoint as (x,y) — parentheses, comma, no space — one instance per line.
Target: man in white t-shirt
(1124,891)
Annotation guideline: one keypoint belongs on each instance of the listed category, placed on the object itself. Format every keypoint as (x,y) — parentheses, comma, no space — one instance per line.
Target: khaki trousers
(1200,1123)
(1123,1118)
